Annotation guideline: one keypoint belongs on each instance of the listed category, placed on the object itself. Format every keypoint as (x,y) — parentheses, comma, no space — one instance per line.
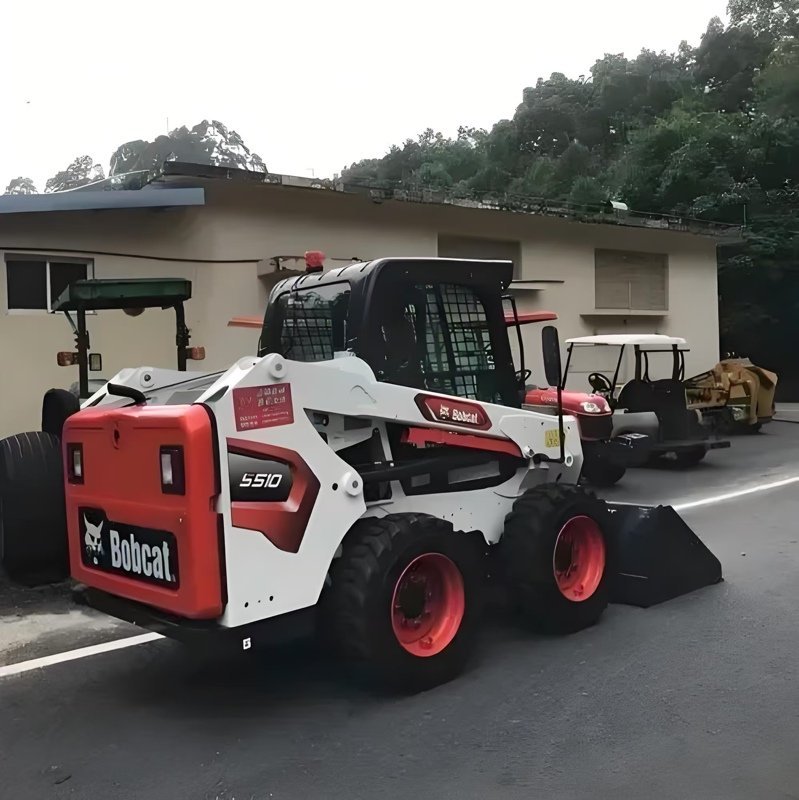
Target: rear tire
(532,550)
(602,473)
(33,527)
(404,599)
(690,458)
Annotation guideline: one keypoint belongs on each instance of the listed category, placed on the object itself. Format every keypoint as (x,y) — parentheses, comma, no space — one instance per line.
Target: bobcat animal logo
(92,540)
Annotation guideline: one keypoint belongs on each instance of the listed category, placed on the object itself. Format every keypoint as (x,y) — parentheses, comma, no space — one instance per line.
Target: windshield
(602,358)
(657,364)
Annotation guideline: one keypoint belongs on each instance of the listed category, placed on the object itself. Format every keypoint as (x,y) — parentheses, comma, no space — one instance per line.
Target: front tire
(556,557)
(690,458)
(602,473)
(404,599)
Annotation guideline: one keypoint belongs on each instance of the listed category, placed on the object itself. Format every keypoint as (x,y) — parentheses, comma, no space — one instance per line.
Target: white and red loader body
(238,561)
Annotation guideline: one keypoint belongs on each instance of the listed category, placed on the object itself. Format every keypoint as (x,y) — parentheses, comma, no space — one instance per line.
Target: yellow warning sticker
(552,438)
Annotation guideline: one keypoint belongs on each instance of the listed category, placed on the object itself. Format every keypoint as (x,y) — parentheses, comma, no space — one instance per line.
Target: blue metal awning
(101,200)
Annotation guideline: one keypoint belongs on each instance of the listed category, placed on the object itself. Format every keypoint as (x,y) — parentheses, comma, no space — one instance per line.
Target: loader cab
(436,324)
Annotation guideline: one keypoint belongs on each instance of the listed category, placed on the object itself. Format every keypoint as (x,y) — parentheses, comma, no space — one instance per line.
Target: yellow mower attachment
(736,392)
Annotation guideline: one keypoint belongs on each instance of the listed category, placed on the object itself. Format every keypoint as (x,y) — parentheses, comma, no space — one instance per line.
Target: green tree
(20,186)
(778,18)
(81,172)
(208,142)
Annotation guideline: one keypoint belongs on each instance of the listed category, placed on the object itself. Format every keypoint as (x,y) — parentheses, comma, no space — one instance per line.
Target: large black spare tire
(57,406)
(33,526)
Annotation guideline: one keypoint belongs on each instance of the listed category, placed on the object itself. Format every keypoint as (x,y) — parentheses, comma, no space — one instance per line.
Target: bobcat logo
(92,540)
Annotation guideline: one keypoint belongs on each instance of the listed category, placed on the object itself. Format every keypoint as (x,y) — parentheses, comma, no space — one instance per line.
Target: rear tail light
(75,463)
(173,473)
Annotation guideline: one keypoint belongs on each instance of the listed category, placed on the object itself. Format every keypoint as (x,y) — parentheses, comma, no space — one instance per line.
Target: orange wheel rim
(578,562)
(427,605)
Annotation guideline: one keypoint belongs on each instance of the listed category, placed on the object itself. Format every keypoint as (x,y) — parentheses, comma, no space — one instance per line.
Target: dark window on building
(62,273)
(26,282)
(34,283)
(313,322)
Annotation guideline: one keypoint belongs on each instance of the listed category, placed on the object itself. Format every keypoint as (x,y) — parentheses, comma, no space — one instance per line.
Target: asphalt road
(691,699)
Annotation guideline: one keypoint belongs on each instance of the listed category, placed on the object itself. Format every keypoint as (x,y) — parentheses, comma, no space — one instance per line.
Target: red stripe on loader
(283,523)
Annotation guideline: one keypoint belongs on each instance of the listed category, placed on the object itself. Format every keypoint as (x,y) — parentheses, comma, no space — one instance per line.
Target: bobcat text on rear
(140,559)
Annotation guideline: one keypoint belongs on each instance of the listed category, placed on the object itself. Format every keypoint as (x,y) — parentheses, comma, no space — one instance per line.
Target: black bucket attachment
(658,557)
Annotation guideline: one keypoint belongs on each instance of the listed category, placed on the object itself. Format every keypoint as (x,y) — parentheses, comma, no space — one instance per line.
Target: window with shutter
(628,280)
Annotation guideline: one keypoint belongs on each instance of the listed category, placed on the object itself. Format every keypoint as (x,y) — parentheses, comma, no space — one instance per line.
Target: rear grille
(599,427)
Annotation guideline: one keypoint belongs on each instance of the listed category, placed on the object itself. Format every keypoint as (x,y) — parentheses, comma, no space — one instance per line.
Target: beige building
(227,231)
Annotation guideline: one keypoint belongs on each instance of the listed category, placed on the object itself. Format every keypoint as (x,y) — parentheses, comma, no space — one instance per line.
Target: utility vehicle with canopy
(648,404)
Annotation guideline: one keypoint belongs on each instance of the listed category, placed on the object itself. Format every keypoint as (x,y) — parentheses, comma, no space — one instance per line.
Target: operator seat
(636,395)
(402,364)
(676,420)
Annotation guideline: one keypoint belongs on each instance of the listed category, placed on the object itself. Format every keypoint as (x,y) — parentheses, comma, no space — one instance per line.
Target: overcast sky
(311,85)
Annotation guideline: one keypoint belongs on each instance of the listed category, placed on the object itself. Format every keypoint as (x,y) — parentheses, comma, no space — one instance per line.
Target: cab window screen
(313,322)
(437,338)
(457,354)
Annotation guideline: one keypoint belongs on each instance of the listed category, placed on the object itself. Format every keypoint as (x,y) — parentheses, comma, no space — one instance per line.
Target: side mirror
(550,343)
(65,358)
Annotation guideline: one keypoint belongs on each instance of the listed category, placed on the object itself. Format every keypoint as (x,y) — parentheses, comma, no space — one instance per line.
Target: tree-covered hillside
(711,131)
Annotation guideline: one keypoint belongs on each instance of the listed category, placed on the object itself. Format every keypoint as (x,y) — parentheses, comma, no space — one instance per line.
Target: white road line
(721,498)
(82,652)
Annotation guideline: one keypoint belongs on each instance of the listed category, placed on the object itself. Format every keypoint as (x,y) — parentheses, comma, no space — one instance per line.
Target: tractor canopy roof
(649,340)
(97,294)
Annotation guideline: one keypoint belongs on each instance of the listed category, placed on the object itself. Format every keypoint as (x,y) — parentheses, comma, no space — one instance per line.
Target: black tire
(602,473)
(359,606)
(57,406)
(33,527)
(690,458)
(527,553)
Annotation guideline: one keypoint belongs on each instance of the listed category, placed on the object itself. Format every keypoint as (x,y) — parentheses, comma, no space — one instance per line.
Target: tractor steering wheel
(600,383)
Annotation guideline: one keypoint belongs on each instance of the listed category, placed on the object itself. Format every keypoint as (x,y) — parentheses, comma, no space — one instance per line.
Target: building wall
(223,247)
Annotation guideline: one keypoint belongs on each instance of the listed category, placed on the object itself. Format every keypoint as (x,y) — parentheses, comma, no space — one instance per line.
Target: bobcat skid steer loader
(371,467)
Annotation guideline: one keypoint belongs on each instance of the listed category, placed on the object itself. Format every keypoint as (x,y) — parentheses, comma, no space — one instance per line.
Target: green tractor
(33,543)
